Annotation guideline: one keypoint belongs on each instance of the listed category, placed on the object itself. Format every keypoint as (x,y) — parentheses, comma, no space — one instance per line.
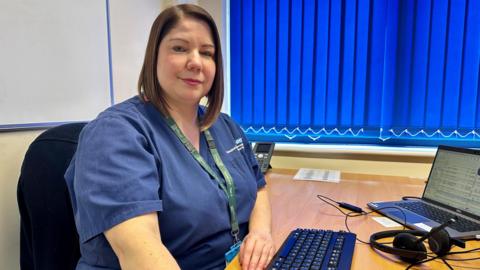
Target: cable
(444,259)
(466,267)
(463,260)
(423,261)
(446,263)
(325,198)
(351,214)
(345,205)
(355,214)
(462,252)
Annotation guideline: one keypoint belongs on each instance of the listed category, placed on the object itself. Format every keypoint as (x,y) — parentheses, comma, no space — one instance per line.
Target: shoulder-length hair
(149,88)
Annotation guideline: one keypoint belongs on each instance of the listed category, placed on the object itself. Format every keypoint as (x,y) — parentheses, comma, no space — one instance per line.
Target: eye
(207,53)
(178,48)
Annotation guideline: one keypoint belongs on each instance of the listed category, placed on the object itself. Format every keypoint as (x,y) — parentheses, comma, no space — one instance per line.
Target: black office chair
(48,236)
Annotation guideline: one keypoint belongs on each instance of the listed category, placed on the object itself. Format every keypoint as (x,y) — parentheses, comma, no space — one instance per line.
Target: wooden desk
(295,205)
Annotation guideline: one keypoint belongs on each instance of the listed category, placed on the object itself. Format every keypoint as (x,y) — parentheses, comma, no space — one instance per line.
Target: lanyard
(229,189)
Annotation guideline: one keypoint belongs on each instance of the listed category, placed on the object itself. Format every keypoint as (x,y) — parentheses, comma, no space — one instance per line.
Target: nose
(194,62)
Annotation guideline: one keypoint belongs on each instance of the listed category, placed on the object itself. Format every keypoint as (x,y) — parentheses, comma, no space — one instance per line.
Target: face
(186,64)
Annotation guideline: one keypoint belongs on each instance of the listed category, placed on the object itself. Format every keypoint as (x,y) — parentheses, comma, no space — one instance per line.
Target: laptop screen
(455,181)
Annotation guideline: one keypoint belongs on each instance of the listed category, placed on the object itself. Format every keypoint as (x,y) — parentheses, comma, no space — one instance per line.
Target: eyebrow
(186,41)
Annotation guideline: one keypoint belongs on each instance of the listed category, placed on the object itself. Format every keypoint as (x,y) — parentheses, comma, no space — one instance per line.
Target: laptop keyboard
(315,249)
(440,216)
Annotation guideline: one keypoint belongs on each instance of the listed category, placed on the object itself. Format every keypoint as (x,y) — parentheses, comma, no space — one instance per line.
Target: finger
(256,255)
(247,253)
(271,253)
(268,255)
(262,262)
(241,253)
(242,250)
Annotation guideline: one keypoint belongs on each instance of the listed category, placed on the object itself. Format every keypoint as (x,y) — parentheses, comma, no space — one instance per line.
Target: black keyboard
(315,249)
(440,216)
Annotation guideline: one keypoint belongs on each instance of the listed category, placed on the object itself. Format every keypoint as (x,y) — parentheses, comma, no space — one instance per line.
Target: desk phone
(263,152)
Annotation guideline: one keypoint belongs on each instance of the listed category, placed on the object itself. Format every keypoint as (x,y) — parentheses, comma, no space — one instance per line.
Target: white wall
(130,25)
(68,79)
(12,149)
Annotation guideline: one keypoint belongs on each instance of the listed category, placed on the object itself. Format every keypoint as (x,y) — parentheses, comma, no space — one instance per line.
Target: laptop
(452,190)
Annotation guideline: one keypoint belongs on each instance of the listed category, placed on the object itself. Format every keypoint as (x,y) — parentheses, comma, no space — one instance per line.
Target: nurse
(160,182)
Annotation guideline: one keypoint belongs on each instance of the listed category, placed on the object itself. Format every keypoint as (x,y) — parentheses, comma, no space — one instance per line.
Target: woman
(160,182)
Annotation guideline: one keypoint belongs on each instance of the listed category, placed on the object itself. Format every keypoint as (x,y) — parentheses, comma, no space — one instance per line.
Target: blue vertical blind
(382,71)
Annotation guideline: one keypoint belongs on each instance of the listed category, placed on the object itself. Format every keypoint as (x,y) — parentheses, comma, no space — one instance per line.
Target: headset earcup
(407,241)
(440,243)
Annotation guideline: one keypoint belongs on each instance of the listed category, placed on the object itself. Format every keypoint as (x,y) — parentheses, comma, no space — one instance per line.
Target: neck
(185,116)
(186,119)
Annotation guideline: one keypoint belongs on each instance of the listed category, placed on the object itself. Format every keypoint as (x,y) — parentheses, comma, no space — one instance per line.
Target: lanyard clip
(235,236)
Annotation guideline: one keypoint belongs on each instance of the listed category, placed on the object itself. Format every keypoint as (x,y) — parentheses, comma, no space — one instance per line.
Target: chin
(192,100)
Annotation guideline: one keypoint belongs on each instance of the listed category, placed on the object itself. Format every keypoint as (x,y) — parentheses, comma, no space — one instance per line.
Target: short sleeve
(115,176)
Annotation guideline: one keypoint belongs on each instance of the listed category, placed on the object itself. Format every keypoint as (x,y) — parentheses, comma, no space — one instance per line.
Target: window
(396,72)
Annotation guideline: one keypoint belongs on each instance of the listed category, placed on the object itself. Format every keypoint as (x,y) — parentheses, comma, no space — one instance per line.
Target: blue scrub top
(129,162)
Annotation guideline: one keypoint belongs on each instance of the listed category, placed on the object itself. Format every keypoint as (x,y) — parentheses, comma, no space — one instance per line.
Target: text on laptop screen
(455,181)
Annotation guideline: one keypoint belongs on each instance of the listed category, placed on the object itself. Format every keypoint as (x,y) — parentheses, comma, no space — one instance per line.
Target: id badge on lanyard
(232,261)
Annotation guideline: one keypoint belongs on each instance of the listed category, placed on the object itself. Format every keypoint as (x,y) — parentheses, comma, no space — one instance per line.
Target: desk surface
(295,205)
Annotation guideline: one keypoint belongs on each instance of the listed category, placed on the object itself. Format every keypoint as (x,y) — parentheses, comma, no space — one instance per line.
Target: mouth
(192,82)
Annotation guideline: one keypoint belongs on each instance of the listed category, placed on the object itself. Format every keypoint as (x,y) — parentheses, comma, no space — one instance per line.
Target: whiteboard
(54,61)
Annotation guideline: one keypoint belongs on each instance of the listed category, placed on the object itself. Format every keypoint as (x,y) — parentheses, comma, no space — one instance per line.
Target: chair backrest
(48,236)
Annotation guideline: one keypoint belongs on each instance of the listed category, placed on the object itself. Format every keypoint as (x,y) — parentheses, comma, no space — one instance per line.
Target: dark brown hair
(148,86)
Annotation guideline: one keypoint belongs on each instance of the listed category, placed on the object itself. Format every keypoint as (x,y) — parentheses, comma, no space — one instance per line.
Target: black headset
(408,247)
(411,249)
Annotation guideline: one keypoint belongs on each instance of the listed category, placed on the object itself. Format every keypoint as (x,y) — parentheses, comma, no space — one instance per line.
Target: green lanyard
(229,189)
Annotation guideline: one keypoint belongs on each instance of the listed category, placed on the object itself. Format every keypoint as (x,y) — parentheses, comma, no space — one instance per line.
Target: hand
(257,250)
